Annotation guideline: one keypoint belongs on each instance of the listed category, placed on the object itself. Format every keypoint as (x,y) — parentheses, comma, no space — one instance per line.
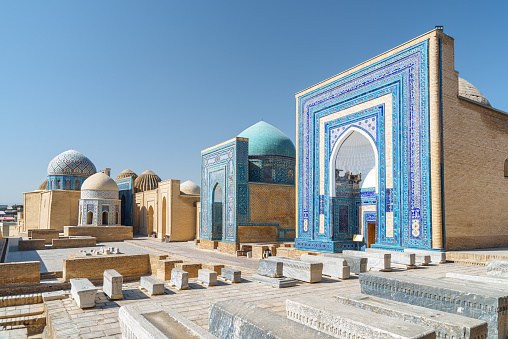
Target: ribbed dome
(44,185)
(189,187)
(467,90)
(146,181)
(264,139)
(126,174)
(99,182)
(71,163)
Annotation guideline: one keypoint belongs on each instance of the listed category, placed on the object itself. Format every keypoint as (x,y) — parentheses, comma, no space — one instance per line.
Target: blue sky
(149,84)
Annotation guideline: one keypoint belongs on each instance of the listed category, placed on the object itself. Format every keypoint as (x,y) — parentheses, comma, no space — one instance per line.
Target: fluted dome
(467,90)
(146,181)
(127,174)
(264,139)
(71,163)
(99,182)
(189,187)
(44,185)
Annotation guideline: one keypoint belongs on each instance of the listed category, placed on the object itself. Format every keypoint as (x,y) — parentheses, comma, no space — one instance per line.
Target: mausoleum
(99,204)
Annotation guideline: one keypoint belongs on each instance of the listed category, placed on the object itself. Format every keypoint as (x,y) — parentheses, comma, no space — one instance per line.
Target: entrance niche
(105,218)
(217,212)
(123,209)
(353,170)
(164,215)
(149,226)
(89,217)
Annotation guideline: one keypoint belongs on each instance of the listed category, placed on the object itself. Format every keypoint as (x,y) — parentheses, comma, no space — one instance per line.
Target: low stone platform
(281,282)
(343,321)
(446,325)
(236,318)
(310,272)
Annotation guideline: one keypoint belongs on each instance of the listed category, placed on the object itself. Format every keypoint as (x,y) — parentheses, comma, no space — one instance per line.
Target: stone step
(22,299)
(33,323)
(20,311)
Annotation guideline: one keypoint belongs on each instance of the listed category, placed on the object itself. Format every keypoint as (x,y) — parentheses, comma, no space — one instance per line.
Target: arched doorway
(149,226)
(353,172)
(105,216)
(116,218)
(217,212)
(122,209)
(89,217)
(164,215)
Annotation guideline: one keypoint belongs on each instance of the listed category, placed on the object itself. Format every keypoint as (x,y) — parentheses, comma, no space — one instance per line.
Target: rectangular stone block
(332,267)
(296,269)
(112,284)
(356,265)
(164,267)
(436,257)
(488,279)
(402,258)
(380,261)
(348,322)
(239,319)
(83,292)
(270,268)
(469,300)
(148,321)
(152,285)
(446,325)
(207,277)
(231,274)
(258,250)
(191,268)
(54,295)
(274,282)
(498,268)
(179,279)
(213,267)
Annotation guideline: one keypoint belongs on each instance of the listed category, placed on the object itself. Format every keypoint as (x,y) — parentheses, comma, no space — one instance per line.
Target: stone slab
(470,300)
(112,284)
(270,268)
(356,265)
(207,277)
(83,292)
(478,278)
(349,322)
(332,267)
(446,325)
(148,321)
(230,274)
(436,257)
(403,258)
(310,272)
(179,279)
(55,295)
(381,261)
(239,319)
(497,267)
(152,285)
(274,282)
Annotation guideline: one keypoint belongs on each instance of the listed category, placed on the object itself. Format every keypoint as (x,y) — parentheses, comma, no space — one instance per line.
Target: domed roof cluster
(467,90)
(99,182)
(264,139)
(43,186)
(189,188)
(146,181)
(126,174)
(71,163)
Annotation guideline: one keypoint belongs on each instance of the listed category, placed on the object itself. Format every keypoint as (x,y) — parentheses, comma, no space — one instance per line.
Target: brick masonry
(20,274)
(94,267)
(102,233)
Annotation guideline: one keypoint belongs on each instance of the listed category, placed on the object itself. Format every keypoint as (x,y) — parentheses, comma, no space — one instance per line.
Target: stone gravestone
(179,279)
(152,285)
(332,267)
(356,265)
(112,284)
(230,274)
(497,267)
(83,292)
(207,277)
(300,270)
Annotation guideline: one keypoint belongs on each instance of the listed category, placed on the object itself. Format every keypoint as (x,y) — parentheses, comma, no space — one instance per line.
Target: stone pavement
(102,321)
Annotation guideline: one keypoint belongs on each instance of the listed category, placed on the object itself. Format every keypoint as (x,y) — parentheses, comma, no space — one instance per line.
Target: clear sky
(149,84)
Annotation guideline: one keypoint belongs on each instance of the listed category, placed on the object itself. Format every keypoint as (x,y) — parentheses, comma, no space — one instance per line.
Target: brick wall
(94,267)
(257,233)
(28,245)
(226,247)
(101,233)
(73,242)
(48,235)
(20,274)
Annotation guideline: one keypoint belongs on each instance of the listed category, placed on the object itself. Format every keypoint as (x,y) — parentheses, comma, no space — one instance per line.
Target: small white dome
(467,90)
(99,182)
(190,187)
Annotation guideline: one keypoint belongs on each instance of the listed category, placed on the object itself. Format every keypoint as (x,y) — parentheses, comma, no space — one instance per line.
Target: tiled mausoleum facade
(378,155)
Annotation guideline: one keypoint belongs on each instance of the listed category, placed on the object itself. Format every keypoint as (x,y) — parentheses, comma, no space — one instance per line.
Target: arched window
(67,184)
(89,218)
(105,218)
(506,168)
(76,185)
(116,218)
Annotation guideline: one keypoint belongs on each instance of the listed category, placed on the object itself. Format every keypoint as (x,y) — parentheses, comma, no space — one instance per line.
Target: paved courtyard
(102,321)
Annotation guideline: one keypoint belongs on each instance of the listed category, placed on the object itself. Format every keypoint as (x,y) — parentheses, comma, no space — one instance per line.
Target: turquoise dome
(71,163)
(264,139)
